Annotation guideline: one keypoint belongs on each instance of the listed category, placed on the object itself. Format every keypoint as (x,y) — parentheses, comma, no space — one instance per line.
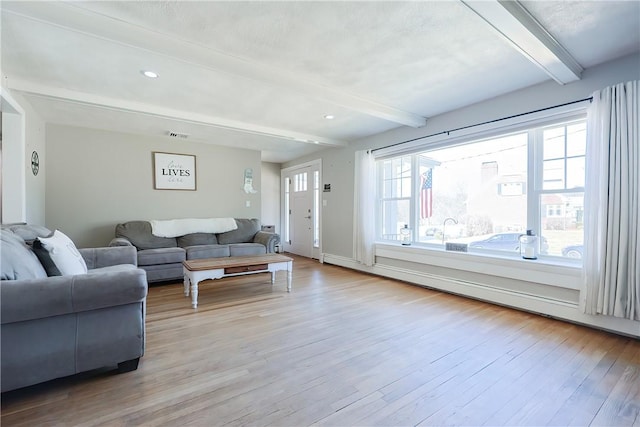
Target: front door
(301,190)
(302,217)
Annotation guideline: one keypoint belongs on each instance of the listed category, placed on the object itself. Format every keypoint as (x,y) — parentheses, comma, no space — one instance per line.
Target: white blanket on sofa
(180,227)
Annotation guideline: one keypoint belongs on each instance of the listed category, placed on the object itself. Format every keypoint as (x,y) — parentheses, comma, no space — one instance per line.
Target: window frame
(380,200)
(534,185)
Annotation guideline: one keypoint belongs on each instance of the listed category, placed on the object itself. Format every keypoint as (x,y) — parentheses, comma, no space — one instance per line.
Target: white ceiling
(262,75)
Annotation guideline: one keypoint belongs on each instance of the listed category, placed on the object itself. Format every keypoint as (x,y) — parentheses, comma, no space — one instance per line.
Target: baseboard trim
(538,304)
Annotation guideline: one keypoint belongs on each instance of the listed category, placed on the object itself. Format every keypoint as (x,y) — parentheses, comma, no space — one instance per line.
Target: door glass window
(300,182)
(316,209)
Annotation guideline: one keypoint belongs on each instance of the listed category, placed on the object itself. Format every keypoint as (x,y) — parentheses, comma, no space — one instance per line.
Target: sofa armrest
(269,240)
(104,257)
(120,241)
(22,300)
(108,287)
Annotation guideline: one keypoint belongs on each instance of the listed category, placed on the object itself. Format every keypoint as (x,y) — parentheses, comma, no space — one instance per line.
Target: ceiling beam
(520,29)
(36,89)
(72,16)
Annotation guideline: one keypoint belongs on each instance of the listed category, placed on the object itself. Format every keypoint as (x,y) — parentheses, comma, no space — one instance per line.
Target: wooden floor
(346,349)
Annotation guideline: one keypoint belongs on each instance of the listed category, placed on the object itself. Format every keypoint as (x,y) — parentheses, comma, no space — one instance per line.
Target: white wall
(522,290)
(96,179)
(338,162)
(270,194)
(35,185)
(23,193)
(13,168)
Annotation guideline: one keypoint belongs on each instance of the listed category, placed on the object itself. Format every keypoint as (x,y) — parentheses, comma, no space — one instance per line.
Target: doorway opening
(301,213)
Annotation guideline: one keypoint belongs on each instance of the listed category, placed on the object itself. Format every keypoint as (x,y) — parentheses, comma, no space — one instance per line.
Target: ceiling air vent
(177,135)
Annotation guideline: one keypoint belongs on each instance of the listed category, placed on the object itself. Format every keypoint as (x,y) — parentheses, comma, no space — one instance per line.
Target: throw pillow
(45,258)
(247,229)
(196,239)
(17,261)
(58,255)
(29,232)
(140,235)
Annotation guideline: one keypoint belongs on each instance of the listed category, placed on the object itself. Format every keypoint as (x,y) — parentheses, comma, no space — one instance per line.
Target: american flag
(426,195)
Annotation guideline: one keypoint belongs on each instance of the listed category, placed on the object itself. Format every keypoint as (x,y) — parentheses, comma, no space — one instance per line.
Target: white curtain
(612,189)
(364,208)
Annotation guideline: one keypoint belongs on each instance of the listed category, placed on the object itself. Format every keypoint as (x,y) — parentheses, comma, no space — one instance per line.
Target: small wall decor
(174,171)
(35,163)
(248,181)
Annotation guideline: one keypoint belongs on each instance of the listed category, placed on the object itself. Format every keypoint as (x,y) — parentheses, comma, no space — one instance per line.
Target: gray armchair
(56,326)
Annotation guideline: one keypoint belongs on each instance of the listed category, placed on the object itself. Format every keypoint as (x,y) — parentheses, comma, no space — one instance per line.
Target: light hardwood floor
(346,349)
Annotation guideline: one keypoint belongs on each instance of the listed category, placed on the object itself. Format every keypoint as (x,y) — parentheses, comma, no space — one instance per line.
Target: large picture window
(487,192)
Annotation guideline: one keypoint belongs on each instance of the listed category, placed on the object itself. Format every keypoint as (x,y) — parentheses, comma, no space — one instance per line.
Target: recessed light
(329,116)
(150,74)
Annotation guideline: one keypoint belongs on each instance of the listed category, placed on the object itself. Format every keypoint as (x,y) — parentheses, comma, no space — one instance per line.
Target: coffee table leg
(289,278)
(186,285)
(194,294)
(273,277)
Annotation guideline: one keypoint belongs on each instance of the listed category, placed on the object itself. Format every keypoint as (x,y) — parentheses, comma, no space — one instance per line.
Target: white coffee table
(197,270)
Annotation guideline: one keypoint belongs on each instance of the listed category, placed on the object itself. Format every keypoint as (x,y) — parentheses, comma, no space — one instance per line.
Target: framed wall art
(174,171)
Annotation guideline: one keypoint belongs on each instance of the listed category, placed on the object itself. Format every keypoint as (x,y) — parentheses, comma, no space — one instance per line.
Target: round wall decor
(35,163)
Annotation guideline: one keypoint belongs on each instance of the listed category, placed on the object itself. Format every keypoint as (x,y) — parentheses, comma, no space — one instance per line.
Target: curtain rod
(447,132)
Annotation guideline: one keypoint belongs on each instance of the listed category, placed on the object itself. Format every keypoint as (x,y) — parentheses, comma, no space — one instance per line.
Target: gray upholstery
(109,335)
(247,228)
(120,241)
(164,263)
(267,240)
(37,350)
(102,257)
(163,272)
(197,239)
(160,256)
(139,234)
(207,251)
(245,249)
(17,260)
(29,232)
(126,284)
(58,326)
(60,295)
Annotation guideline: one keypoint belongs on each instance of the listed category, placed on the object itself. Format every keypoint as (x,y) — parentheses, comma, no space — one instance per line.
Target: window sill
(547,271)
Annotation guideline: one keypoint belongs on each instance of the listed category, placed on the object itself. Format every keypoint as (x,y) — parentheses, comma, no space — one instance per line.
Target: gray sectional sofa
(162,257)
(62,325)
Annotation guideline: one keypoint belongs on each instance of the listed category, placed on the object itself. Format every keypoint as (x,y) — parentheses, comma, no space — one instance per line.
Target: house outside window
(487,192)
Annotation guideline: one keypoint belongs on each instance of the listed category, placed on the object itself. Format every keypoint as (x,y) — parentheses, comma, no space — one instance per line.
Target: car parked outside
(573,251)
(506,242)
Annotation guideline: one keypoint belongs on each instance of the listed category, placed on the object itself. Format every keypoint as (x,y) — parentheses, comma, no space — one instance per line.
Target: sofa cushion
(245,249)
(58,255)
(29,232)
(197,239)
(161,256)
(163,272)
(247,228)
(17,261)
(139,233)
(207,251)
